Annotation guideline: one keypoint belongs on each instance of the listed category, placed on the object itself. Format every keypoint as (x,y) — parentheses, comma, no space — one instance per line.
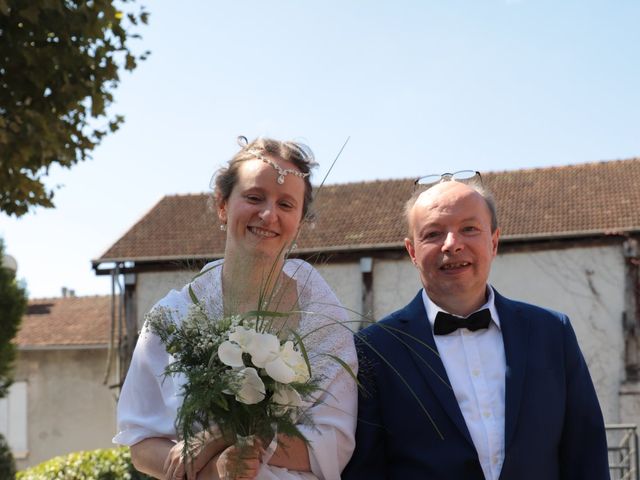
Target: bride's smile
(263,215)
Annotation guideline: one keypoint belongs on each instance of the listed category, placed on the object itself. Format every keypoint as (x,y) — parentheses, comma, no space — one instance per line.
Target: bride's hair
(297,153)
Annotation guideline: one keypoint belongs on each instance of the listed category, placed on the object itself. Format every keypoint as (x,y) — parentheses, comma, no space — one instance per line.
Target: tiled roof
(552,202)
(601,197)
(68,321)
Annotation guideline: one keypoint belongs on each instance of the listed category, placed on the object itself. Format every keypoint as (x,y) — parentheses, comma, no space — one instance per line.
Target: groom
(463,383)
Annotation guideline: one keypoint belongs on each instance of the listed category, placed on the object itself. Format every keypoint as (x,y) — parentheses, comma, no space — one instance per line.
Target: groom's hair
(484,193)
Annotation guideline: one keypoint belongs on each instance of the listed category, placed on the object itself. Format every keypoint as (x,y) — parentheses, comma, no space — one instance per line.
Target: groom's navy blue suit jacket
(553,422)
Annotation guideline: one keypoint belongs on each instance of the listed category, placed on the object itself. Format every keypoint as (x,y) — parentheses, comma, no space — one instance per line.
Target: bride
(261,197)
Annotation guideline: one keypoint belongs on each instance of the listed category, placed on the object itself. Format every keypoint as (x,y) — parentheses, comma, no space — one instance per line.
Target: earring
(223,227)
(294,246)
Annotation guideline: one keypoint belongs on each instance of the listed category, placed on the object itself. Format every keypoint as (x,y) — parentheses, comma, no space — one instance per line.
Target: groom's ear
(408,244)
(495,238)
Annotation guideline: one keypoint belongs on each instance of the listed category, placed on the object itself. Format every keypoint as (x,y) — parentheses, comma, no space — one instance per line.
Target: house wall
(346,281)
(69,409)
(395,284)
(586,283)
(151,287)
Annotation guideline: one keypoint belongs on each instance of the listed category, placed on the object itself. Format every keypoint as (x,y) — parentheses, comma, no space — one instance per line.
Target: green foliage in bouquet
(240,377)
(102,464)
(7,463)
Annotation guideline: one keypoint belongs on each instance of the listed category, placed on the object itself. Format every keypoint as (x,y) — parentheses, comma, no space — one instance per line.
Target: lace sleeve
(327,333)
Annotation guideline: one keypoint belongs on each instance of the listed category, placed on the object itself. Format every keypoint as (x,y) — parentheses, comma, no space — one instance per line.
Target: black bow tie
(446,323)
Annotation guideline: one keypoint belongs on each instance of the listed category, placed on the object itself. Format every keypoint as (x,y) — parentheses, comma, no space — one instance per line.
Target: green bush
(7,463)
(104,464)
(13,302)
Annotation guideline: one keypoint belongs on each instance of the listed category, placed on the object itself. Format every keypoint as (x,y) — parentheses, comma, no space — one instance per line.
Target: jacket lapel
(413,321)
(515,330)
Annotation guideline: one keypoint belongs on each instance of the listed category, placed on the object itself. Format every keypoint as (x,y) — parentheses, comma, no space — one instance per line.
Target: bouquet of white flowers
(241,376)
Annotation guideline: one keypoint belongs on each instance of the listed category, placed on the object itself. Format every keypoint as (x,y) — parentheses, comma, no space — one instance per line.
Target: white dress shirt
(475,364)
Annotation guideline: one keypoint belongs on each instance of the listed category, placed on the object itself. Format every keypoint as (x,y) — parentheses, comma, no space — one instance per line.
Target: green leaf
(205,271)
(4,7)
(264,313)
(345,366)
(13,303)
(130,62)
(30,13)
(192,294)
(222,402)
(53,87)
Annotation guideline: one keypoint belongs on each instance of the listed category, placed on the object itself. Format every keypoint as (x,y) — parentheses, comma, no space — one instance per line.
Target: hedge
(103,464)
(7,463)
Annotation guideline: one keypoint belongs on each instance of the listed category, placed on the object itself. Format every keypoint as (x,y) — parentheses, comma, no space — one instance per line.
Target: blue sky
(420,87)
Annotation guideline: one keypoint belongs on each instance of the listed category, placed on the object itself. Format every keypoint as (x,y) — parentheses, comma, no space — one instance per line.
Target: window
(13,418)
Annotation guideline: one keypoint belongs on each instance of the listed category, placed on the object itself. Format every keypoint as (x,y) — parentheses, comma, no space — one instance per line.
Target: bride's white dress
(149,400)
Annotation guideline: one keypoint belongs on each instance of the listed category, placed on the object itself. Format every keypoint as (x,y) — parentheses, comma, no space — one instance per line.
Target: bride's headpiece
(282,172)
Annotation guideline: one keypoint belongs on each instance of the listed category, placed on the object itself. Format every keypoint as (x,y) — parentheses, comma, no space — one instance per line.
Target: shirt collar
(433,309)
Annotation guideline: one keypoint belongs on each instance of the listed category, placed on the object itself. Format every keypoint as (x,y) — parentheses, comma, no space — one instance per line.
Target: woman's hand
(178,468)
(292,453)
(206,445)
(240,462)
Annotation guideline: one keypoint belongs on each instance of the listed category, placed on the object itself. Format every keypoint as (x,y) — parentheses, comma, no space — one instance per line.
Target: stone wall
(68,407)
